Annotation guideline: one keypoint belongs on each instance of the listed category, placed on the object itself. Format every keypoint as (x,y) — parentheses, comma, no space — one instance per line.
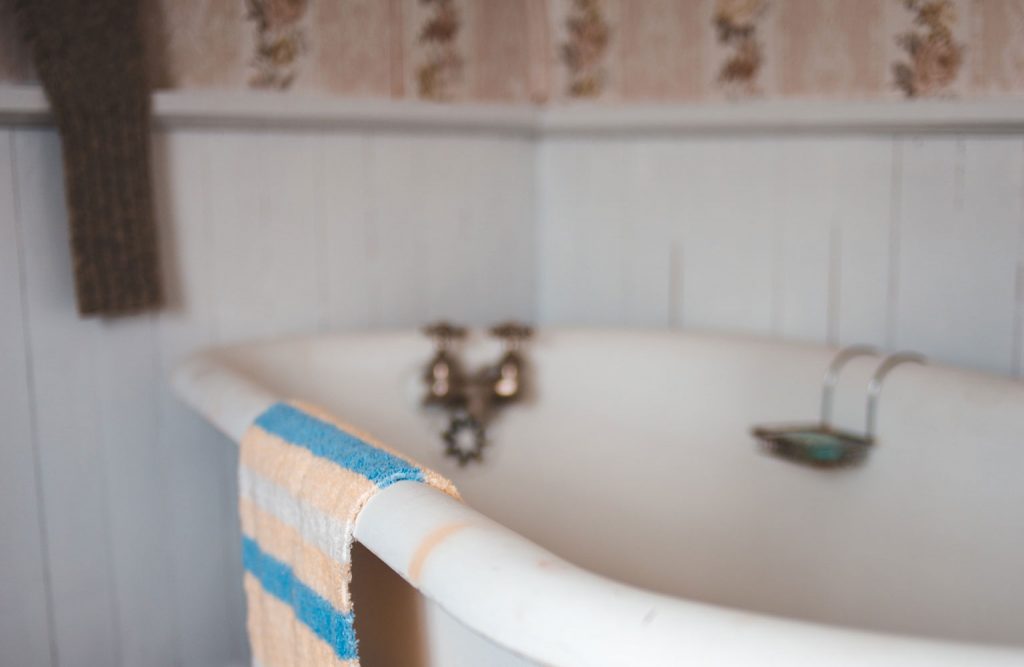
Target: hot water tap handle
(512,334)
(443,333)
(443,377)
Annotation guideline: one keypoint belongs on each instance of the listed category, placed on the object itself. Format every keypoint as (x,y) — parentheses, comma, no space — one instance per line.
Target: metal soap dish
(821,444)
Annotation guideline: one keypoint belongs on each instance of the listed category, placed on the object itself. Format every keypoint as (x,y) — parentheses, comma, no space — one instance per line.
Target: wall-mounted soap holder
(821,444)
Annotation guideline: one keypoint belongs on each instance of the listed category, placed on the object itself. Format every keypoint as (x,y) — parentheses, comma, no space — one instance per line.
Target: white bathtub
(625,516)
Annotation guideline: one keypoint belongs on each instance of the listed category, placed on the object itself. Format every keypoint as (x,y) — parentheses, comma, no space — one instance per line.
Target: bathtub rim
(555,607)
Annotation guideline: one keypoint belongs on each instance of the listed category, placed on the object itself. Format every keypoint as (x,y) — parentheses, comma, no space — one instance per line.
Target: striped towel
(303,478)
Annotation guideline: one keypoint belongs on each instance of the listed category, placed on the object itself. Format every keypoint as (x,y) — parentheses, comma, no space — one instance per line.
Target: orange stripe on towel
(279,639)
(326,576)
(325,485)
(303,479)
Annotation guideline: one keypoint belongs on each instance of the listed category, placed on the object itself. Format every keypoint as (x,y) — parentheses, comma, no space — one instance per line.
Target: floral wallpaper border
(554,51)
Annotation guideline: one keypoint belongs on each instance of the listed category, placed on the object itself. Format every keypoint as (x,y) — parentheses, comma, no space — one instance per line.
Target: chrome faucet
(443,376)
(472,399)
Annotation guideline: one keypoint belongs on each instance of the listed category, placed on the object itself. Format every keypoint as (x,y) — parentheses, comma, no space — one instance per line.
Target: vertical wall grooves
(1018,328)
(163,211)
(371,243)
(835,277)
(895,222)
(30,378)
(959,175)
(1018,324)
(108,539)
(321,222)
(210,235)
(834,239)
(540,215)
(171,575)
(778,288)
(675,285)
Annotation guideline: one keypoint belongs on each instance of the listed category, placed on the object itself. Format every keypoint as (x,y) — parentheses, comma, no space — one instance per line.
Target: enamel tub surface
(624,514)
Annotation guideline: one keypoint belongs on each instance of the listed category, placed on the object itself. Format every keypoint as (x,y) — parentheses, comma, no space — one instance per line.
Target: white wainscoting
(902,241)
(118,537)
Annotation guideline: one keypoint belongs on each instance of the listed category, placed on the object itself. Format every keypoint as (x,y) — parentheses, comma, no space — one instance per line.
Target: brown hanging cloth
(89,56)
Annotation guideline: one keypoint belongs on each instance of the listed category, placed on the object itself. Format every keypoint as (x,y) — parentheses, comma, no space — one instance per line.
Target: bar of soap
(818,446)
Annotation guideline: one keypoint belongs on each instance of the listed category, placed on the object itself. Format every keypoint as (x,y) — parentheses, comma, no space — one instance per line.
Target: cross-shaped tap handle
(444,332)
(512,331)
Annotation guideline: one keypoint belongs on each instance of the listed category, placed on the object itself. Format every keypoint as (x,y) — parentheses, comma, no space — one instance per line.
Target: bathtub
(625,516)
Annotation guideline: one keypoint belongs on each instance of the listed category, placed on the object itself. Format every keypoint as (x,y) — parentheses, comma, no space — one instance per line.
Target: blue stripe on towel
(329,442)
(279,580)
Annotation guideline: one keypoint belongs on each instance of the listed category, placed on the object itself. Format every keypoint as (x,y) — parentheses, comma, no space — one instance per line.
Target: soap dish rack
(821,444)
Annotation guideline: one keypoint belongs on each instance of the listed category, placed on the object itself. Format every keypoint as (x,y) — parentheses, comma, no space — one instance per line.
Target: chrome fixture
(506,377)
(821,444)
(828,384)
(875,385)
(443,376)
(472,399)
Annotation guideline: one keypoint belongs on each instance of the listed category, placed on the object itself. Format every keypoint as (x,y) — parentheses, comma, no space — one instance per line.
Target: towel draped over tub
(303,479)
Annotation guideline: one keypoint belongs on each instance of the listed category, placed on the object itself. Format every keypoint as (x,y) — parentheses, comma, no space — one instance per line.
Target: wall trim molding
(792,116)
(265,109)
(262,109)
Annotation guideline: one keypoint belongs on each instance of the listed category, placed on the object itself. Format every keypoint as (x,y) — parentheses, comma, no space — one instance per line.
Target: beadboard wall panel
(959,249)
(25,630)
(865,176)
(263,233)
(133,470)
(901,241)
(202,530)
(69,433)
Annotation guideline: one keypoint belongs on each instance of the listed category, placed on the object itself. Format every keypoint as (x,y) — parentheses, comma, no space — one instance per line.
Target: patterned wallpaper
(541,51)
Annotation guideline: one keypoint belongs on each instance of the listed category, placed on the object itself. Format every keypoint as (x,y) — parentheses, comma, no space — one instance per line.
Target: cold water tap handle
(512,333)
(443,333)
